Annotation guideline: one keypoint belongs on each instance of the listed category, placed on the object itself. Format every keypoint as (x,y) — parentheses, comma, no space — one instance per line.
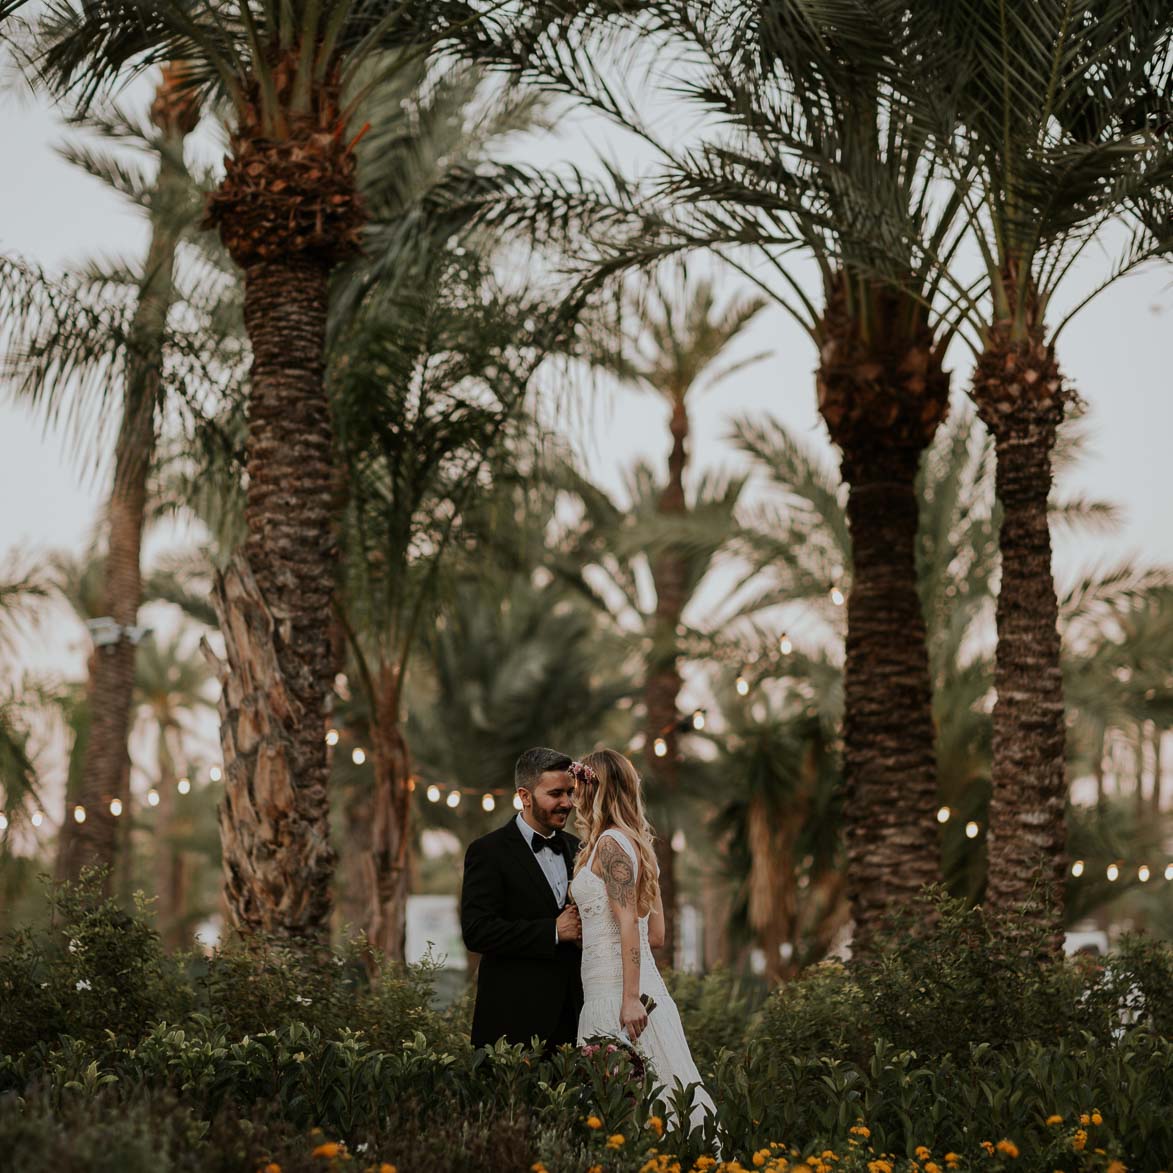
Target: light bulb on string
(38,818)
(943,814)
(433,793)
(331,736)
(971,830)
(1113,872)
(785,646)
(488,803)
(3,821)
(1143,873)
(660,747)
(517,803)
(1077,868)
(183,785)
(837,597)
(116,807)
(358,755)
(215,773)
(742,685)
(454,799)
(698,720)
(79,814)
(152,797)
(1169,871)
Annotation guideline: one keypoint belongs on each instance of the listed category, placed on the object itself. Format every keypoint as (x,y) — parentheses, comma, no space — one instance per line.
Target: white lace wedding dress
(662,1043)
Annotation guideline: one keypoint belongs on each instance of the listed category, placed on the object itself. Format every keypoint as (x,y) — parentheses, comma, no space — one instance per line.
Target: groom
(514,912)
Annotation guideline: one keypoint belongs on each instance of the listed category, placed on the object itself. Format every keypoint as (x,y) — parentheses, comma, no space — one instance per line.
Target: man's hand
(569,924)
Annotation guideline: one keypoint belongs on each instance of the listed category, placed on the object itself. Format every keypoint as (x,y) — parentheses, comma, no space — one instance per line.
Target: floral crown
(581,772)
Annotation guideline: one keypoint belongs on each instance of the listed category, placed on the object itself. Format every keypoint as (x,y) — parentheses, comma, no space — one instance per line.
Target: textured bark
(663,684)
(1018,391)
(170,881)
(111,684)
(883,395)
(388,864)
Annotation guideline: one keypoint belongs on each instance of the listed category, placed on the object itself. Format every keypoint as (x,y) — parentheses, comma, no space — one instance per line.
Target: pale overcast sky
(1117,353)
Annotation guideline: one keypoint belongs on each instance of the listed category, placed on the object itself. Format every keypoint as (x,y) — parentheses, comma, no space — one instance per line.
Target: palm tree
(1049,110)
(288,210)
(680,337)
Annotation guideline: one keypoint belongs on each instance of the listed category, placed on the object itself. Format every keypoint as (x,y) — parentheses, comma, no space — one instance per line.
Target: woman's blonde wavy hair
(616,800)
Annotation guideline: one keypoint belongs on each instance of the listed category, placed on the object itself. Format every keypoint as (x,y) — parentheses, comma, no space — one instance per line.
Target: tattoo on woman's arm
(618,874)
(635,954)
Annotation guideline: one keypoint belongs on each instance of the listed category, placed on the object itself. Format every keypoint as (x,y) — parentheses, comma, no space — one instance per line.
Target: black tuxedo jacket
(527,984)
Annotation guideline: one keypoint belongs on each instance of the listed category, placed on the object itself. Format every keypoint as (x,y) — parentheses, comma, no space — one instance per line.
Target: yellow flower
(1085,1119)
(952,1159)
(861,1130)
(922,1153)
(1007,1148)
(1054,1119)
(656,1125)
(387,1167)
(932,1167)
(596,1169)
(593,1122)
(1117,1167)
(329,1150)
(271,1167)
(1097,1119)
(617,1141)
(879,1167)
(1079,1140)
(704,1163)
(988,1147)
(537,1167)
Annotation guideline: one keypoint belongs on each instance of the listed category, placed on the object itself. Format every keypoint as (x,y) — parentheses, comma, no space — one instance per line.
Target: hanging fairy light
(183,785)
(38,818)
(215,773)
(943,814)
(454,800)
(79,814)
(3,821)
(152,797)
(332,736)
(698,720)
(433,793)
(785,646)
(1113,872)
(742,685)
(116,807)
(358,755)
(1142,873)
(1169,871)
(488,803)
(660,747)
(837,597)
(971,830)
(1077,868)
(517,803)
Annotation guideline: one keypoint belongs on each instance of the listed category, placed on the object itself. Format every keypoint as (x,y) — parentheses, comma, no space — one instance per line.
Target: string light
(698,720)
(116,807)
(358,755)
(1077,868)
(331,736)
(1169,871)
(971,830)
(943,814)
(152,797)
(79,814)
(1142,873)
(215,773)
(488,803)
(454,799)
(785,646)
(517,803)
(38,818)
(3,821)
(183,785)
(660,747)
(742,685)
(1113,872)
(837,597)
(433,794)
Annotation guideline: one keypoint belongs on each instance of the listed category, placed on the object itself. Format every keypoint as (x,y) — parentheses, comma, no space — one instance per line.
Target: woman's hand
(633,1018)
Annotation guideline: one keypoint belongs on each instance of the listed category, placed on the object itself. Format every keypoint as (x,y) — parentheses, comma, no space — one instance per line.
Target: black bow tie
(554,843)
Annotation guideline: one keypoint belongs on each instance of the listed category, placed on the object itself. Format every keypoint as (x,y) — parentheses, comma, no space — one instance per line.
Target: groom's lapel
(524,853)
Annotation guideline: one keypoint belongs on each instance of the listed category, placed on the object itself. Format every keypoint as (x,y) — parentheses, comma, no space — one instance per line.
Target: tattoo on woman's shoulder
(618,874)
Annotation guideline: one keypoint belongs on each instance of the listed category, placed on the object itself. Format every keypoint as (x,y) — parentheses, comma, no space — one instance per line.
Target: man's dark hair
(534,763)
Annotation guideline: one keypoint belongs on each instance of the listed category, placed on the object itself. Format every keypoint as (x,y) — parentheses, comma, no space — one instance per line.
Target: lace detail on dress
(663,1042)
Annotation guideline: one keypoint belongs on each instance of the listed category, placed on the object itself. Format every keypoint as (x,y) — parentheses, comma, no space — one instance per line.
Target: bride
(616,887)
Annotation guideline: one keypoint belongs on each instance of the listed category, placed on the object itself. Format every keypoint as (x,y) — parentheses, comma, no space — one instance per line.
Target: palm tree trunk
(168,866)
(274,605)
(662,687)
(111,684)
(1017,390)
(388,865)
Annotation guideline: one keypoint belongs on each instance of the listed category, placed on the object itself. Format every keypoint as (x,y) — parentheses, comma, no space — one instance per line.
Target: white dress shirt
(552,863)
